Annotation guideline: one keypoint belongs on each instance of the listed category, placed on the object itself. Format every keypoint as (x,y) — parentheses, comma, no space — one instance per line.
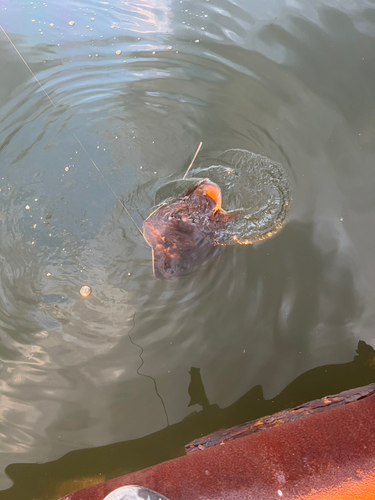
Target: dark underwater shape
(183,233)
(186,231)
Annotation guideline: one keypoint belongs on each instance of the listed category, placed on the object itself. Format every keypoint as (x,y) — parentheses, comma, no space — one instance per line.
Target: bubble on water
(85,291)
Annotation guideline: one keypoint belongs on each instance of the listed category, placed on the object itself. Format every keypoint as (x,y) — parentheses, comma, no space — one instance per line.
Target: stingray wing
(177,248)
(182,233)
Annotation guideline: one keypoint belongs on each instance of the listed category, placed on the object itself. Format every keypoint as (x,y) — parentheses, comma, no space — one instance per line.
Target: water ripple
(140,84)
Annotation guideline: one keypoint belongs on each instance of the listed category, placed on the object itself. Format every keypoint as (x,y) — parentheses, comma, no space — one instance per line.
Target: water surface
(133,87)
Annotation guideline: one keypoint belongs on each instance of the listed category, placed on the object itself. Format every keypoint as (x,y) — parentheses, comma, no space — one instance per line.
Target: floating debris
(85,291)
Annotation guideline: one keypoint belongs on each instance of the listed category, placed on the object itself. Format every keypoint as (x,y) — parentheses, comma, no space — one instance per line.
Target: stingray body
(182,232)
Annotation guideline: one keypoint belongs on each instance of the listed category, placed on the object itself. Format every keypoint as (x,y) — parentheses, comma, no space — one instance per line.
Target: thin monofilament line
(144,374)
(192,161)
(27,66)
(79,142)
(110,187)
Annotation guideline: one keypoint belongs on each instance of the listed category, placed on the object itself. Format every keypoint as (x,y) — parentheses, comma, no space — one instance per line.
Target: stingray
(183,233)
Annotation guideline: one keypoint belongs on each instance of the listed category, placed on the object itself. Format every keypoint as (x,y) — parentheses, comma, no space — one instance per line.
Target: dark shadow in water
(289,305)
(196,389)
(54,479)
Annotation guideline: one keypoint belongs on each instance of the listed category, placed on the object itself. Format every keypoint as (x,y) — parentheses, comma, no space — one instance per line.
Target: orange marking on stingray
(210,189)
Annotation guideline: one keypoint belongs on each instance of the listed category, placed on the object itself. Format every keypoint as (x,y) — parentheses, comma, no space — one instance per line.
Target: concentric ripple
(254,188)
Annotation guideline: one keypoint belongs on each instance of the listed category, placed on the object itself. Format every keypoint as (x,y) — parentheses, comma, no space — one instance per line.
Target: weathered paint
(327,456)
(364,489)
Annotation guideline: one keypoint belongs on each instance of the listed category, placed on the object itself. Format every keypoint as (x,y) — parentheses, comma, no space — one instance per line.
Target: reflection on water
(140,84)
(83,468)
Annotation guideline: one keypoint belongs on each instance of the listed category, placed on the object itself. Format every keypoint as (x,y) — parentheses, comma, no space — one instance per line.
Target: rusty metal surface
(328,455)
(282,417)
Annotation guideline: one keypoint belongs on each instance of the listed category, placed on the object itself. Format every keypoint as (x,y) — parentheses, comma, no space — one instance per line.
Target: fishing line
(110,187)
(192,161)
(118,199)
(79,142)
(27,66)
(191,164)
(143,374)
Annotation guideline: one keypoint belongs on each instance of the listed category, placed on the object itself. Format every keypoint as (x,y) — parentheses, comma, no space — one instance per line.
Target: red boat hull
(326,456)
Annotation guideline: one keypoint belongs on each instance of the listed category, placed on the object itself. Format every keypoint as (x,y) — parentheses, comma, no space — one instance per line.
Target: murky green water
(289,80)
